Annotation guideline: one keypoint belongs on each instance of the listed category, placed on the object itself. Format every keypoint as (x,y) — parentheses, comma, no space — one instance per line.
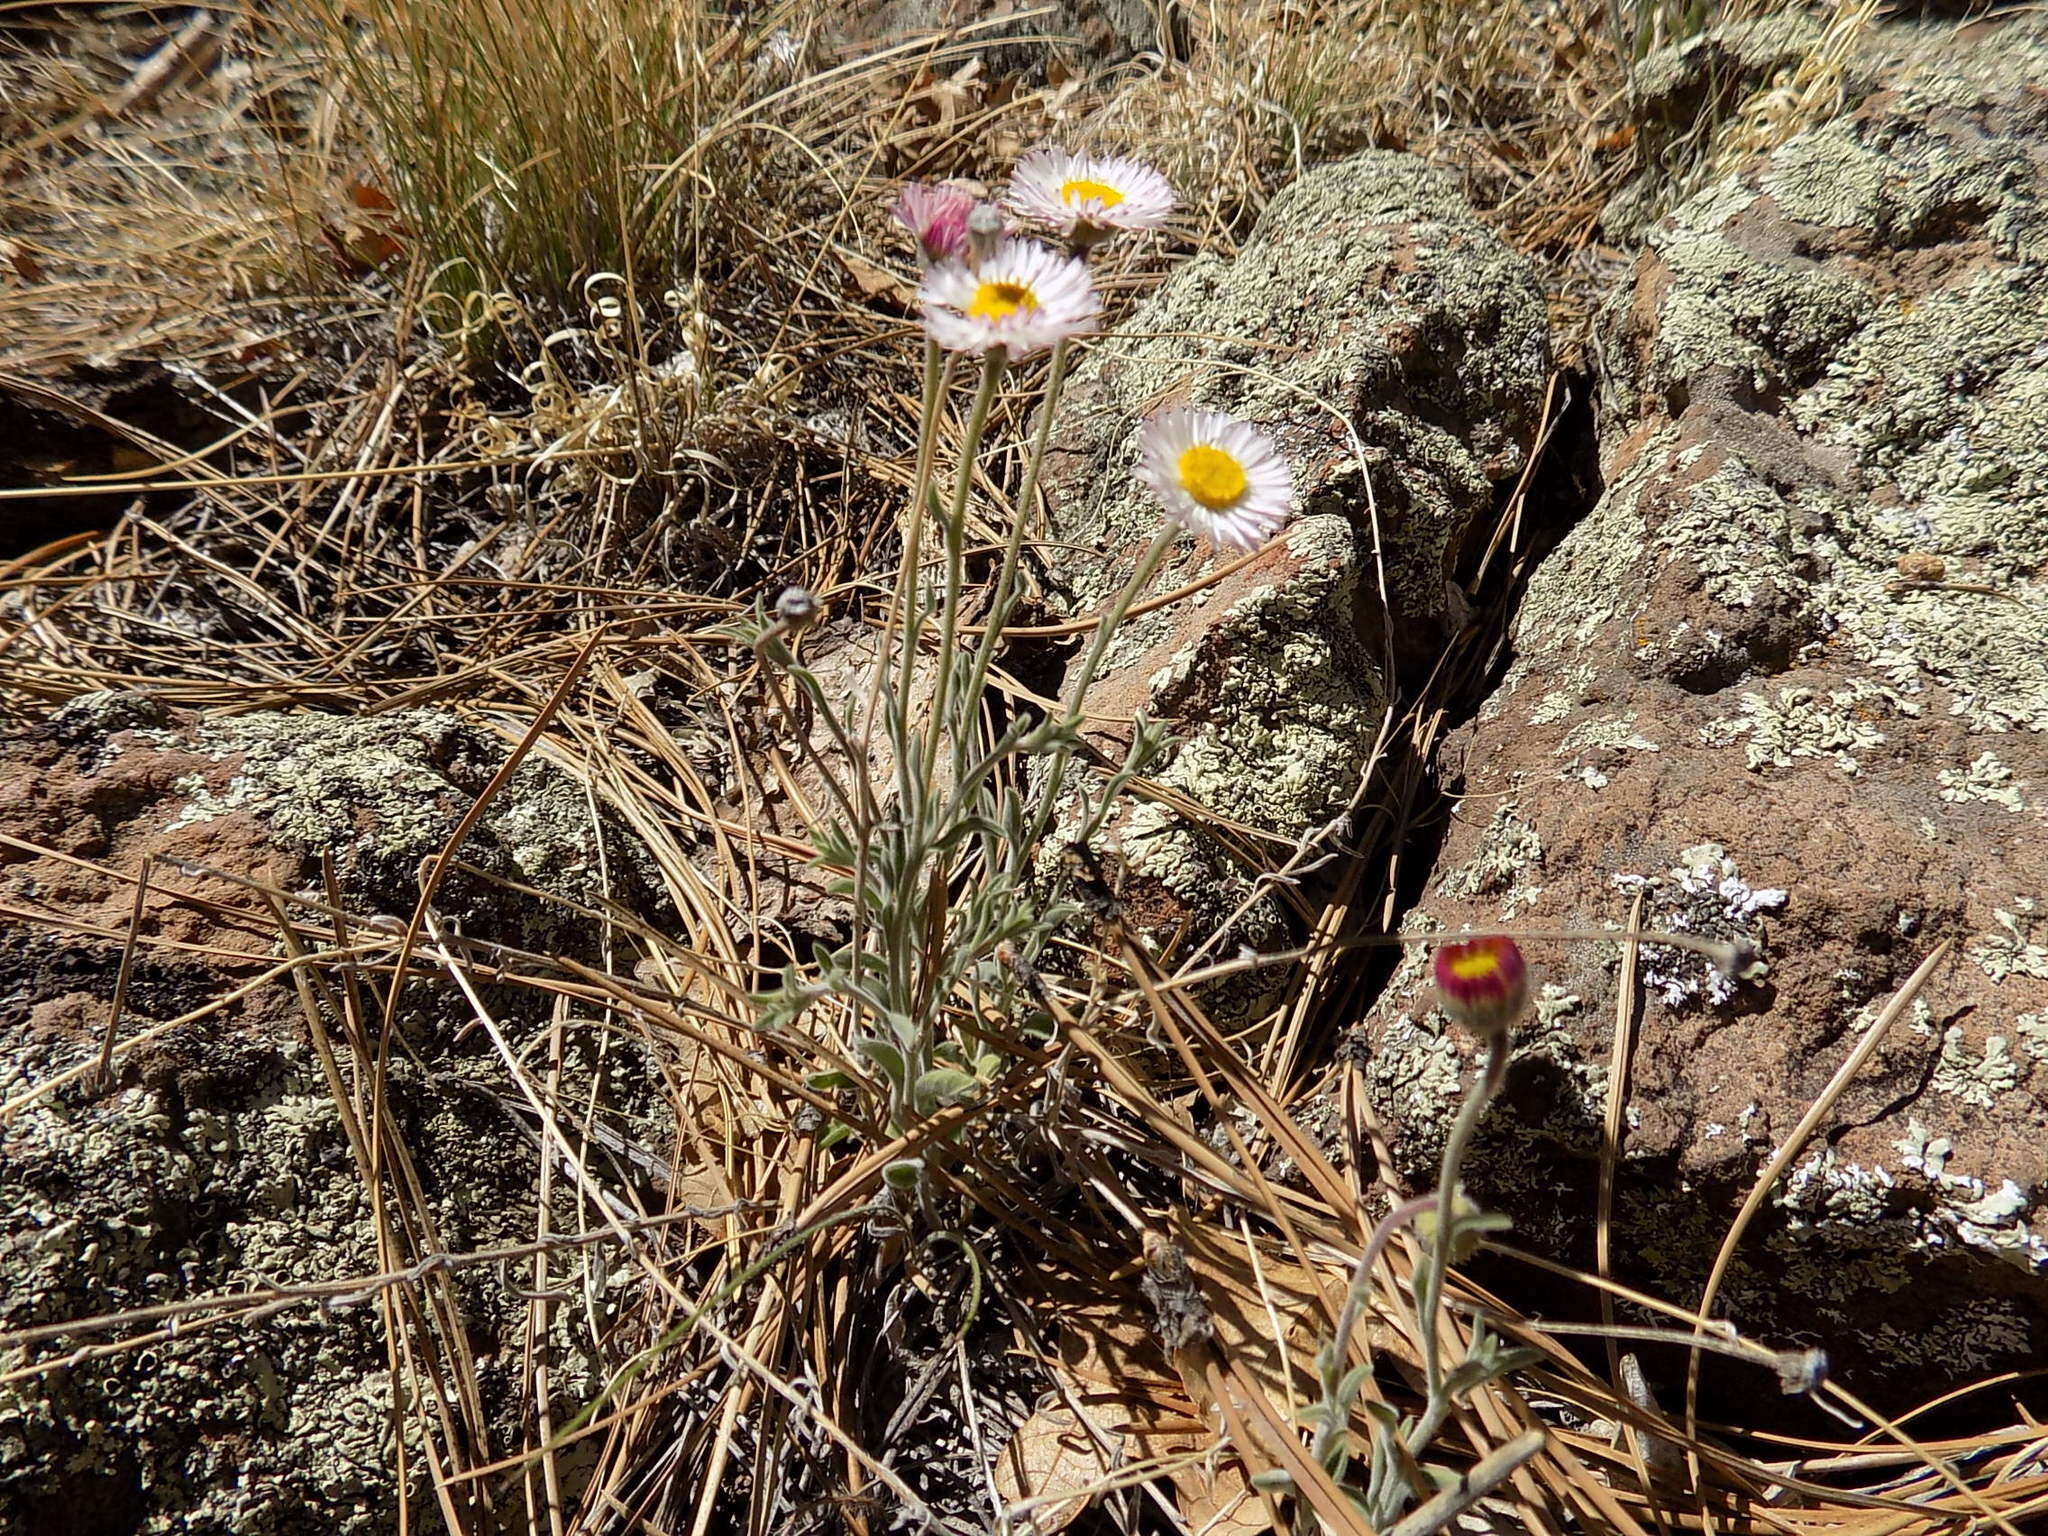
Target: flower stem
(999,610)
(1429,1289)
(956,556)
(908,600)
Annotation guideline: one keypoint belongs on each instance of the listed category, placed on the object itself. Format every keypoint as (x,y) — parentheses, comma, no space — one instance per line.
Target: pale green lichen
(1573,682)
(383,793)
(135,1198)
(2013,950)
(1585,582)
(1616,734)
(1507,848)
(1553,1003)
(1986,780)
(1944,400)
(1974,1079)
(1275,707)
(2032,1030)
(1545,1037)
(1838,724)
(1773,321)
(1734,528)
(1936,398)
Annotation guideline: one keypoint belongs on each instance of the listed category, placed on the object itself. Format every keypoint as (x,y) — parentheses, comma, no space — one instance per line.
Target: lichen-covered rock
(217,1159)
(1397,350)
(1788,681)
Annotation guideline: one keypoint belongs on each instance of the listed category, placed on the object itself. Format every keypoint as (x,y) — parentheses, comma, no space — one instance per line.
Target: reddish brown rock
(216,1160)
(1788,681)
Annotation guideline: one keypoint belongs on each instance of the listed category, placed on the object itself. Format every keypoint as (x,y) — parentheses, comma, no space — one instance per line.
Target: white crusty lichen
(1825,1196)
(1992,1218)
(1703,894)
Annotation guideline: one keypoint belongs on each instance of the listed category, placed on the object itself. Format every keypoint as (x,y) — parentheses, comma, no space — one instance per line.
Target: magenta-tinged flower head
(1483,982)
(936,217)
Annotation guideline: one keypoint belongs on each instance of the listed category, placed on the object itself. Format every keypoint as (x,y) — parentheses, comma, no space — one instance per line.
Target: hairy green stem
(909,600)
(1333,1364)
(956,553)
(1013,547)
(1429,1287)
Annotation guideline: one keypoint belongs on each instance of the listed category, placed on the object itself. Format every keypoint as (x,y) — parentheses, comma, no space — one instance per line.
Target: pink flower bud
(1483,982)
(936,217)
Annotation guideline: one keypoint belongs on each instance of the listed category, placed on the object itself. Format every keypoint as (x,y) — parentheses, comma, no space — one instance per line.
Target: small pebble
(1922,567)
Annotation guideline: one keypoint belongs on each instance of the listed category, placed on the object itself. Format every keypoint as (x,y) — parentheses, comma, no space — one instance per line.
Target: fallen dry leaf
(1055,1457)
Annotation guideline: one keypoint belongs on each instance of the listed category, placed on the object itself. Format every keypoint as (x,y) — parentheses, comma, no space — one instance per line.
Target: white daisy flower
(1220,478)
(1024,296)
(1089,194)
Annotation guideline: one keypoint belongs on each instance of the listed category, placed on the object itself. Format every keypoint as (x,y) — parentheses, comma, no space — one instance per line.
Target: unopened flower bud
(1466,1228)
(936,218)
(1483,982)
(985,229)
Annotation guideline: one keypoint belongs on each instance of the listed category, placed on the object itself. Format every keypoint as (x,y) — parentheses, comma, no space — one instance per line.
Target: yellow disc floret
(999,301)
(1075,192)
(1211,476)
(1475,965)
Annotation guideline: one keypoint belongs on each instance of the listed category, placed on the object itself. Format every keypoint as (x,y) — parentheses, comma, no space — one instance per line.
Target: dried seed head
(797,607)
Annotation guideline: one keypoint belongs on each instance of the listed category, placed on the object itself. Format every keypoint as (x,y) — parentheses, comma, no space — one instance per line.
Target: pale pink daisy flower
(1024,297)
(1087,196)
(936,217)
(1220,478)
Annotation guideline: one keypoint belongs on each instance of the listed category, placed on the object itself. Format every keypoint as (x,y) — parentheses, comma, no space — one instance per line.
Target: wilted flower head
(936,217)
(1483,982)
(1216,476)
(1087,196)
(1024,296)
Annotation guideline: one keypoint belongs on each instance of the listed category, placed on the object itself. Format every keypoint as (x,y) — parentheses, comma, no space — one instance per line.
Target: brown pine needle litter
(538,343)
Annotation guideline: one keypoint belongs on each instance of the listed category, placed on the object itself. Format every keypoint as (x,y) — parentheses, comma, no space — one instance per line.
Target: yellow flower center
(999,300)
(1211,476)
(1073,192)
(1478,965)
